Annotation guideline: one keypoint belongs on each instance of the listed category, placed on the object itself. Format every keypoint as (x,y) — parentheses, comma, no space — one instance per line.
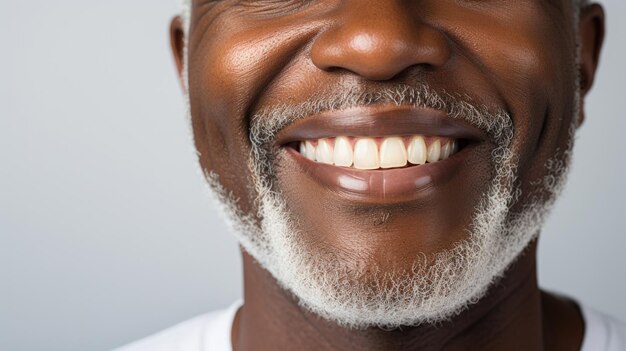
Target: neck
(508,317)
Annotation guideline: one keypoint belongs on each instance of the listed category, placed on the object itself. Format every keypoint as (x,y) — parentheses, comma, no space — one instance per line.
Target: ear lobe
(177,43)
(591,29)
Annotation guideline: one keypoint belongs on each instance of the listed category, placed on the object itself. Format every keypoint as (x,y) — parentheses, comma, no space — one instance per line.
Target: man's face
(457,117)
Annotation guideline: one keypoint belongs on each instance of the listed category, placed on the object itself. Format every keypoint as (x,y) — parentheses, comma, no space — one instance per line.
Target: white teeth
(392,153)
(417,151)
(445,151)
(434,150)
(309,151)
(343,152)
(366,154)
(324,152)
(395,152)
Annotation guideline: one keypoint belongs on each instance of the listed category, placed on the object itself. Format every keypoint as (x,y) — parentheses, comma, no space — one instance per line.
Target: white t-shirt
(212,332)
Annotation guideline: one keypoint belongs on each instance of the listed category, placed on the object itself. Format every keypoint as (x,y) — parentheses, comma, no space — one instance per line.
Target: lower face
(351,201)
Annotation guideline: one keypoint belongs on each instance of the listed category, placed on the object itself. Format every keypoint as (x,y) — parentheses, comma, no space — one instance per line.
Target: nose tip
(380,49)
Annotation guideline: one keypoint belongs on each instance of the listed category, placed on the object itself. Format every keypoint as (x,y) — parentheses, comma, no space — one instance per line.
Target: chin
(393,246)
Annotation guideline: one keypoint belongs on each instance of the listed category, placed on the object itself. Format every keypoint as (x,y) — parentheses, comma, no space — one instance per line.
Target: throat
(509,316)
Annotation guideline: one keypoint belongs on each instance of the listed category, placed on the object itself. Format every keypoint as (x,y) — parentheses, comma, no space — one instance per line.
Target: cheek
(218,115)
(527,55)
(229,69)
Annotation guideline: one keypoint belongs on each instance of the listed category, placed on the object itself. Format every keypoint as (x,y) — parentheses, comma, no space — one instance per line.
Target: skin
(246,55)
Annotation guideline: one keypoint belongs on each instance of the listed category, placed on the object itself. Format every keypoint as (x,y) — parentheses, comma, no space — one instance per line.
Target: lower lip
(383,185)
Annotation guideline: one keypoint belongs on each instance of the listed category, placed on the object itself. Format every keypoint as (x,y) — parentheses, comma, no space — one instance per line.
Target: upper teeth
(374,153)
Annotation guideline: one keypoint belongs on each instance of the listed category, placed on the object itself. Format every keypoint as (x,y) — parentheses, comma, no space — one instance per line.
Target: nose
(378,40)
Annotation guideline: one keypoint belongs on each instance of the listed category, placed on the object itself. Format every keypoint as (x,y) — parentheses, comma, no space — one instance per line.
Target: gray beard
(429,293)
(432,290)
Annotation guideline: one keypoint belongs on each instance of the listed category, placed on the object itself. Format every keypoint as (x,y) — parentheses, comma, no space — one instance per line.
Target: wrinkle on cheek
(524,49)
(536,74)
(506,36)
(230,68)
(243,61)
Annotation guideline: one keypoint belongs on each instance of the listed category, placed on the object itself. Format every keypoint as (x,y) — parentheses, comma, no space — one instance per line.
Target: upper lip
(379,121)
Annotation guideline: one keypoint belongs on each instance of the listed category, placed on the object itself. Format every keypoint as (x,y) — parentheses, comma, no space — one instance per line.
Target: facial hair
(434,289)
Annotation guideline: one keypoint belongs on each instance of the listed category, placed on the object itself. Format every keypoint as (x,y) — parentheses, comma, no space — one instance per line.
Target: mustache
(269,121)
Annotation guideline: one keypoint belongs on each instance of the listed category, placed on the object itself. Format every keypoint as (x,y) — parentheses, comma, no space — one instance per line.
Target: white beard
(433,291)
(428,293)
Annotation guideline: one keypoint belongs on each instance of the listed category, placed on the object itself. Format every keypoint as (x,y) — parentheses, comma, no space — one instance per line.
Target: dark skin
(516,55)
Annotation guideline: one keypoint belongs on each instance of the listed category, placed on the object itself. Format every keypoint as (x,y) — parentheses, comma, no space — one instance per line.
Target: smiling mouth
(370,153)
(383,154)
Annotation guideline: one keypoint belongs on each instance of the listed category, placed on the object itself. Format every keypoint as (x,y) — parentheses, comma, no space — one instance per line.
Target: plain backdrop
(106,231)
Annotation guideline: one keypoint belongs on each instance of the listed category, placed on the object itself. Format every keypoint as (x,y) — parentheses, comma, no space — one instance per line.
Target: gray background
(106,232)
